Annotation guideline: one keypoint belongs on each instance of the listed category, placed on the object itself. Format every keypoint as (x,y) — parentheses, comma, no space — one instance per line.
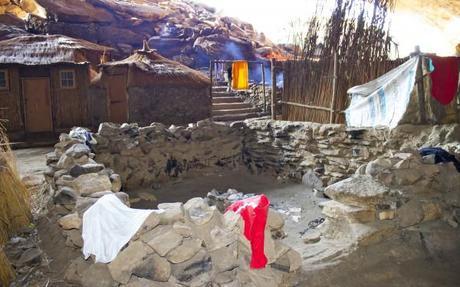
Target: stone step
(219,88)
(221,100)
(234,111)
(235,117)
(230,106)
(222,94)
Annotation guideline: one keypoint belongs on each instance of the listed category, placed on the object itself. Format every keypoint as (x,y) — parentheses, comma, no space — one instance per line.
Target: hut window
(3,79)
(67,79)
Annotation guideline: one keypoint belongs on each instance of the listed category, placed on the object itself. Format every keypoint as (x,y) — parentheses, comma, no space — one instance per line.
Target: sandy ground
(31,161)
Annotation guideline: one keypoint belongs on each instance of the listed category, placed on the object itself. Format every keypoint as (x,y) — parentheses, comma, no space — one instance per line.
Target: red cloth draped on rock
(444,78)
(254,212)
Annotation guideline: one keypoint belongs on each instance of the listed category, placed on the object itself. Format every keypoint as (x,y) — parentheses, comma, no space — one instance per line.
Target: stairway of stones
(228,107)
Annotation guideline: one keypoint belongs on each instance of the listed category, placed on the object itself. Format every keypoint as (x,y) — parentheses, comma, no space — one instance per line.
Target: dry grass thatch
(150,68)
(14,203)
(49,49)
(357,30)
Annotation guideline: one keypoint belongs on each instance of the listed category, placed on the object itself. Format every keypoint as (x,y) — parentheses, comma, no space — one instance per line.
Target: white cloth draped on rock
(108,225)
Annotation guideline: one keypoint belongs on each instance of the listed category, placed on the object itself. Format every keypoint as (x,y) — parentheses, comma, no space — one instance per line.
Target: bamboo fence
(348,48)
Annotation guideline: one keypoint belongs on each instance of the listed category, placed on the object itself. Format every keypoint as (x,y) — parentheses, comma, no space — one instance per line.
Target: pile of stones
(143,156)
(192,244)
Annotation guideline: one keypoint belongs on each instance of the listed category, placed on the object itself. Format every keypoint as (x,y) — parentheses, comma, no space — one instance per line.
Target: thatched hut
(44,81)
(147,87)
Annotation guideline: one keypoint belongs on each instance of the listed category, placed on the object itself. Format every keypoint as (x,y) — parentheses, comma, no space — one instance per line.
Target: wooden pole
(420,86)
(263,87)
(273,98)
(334,89)
(211,76)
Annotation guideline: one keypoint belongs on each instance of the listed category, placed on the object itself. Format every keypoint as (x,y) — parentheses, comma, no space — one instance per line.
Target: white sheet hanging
(108,225)
(383,101)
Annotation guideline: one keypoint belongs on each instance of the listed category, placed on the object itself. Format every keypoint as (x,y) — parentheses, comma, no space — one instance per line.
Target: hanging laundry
(254,211)
(240,75)
(445,78)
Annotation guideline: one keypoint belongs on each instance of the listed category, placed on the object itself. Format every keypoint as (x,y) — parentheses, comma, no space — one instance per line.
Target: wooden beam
(306,106)
(273,97)
(334,89)
(263,87)
(420,86)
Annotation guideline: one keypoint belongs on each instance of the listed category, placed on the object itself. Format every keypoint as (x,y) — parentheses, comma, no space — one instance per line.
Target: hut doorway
(118,99)
(37,101)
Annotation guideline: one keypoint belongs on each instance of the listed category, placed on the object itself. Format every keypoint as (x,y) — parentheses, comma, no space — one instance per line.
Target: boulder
(274,220)
(87,184)
(97,275)
(171,212)
(359,190)
(116,182)
(185,251)
(78,170)
(70,221)
(162,239)
(192,270)
(127,260)
(78,150)
(198,211)
(66,196)
(337,210)
(153,267)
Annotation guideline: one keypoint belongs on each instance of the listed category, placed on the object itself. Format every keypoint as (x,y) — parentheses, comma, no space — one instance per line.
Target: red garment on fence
(254,212)
(444,78)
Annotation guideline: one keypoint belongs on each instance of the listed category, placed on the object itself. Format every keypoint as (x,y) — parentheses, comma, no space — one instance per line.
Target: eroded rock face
(184,31)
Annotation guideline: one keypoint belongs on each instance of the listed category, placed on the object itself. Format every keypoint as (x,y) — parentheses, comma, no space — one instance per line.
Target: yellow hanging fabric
(240,75)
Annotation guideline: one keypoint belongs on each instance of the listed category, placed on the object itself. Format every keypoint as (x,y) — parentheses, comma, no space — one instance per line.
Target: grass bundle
(357,30)
(14,203)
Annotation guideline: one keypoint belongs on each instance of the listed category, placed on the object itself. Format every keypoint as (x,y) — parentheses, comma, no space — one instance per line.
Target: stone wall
(169,105)
(180,244)
(290,149)
(143,156)
(400,204)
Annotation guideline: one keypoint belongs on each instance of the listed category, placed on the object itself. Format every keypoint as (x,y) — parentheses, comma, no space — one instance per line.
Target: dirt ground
(32,161)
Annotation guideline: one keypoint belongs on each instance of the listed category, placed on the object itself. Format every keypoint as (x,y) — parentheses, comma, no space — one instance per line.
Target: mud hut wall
(70,104)
(168,104)
(11,101)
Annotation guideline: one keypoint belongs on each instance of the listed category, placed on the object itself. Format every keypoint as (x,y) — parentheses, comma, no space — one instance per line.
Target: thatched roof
(49,49)
(153,69)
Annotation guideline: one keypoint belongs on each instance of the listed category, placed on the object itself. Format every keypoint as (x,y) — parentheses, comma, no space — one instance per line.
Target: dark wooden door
(118,99)
(37,100)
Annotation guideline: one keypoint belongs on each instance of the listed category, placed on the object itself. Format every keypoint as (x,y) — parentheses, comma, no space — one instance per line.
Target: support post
(211,77)
(263,87)
(273,96)
(334,89)
(420,86)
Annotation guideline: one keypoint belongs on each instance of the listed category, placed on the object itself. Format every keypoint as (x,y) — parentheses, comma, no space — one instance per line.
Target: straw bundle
(354,29)
(14,204)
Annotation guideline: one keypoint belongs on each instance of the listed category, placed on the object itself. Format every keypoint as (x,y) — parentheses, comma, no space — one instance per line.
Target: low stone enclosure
(381,191)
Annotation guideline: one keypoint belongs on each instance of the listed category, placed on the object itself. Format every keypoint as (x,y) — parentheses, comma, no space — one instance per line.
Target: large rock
(359,190)
(193,270)
(162,239)
(198,211)
(87,184)
(127,260)
(154,268)
(70,221)
(338,210)
(78,150)
(171,212)
(97,275)
(185,251)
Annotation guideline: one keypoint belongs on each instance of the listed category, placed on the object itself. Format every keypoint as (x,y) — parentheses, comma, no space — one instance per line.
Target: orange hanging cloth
(240,75)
